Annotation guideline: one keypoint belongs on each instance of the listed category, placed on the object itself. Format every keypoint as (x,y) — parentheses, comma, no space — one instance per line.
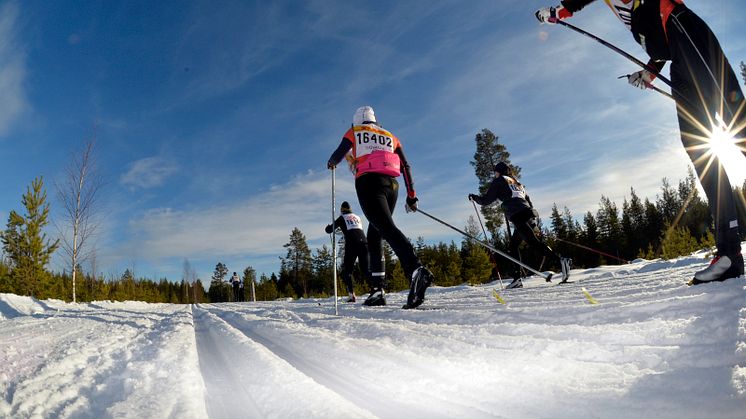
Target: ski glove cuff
(411,204)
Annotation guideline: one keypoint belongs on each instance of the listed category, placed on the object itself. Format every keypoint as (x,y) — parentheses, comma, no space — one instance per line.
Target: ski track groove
(365,393)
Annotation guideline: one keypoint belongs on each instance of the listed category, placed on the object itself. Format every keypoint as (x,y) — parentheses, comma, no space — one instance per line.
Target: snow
(651,347)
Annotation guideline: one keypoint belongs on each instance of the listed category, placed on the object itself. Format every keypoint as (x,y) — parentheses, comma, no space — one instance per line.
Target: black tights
(377,195)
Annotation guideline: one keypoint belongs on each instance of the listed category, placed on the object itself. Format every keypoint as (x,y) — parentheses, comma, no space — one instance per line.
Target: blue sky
(214,120)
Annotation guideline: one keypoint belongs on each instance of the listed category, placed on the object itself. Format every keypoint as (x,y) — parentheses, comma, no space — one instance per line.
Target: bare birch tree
(78,194)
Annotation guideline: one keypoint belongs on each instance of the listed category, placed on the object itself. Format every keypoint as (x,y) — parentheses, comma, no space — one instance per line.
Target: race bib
(516,188)
(369,138)
(353,222)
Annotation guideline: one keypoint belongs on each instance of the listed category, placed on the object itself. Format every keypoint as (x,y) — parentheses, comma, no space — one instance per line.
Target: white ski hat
(364,114)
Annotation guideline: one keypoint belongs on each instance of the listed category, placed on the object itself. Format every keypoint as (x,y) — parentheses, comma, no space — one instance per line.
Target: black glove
(473,197)
(411,204)
(330,165)
(328,229)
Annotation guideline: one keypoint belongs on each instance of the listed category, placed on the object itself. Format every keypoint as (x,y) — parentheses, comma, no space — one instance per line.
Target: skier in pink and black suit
(379,159)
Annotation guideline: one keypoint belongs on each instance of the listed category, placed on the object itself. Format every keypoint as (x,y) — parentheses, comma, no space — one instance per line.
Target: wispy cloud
(148,173)
(259,225)
(13,101)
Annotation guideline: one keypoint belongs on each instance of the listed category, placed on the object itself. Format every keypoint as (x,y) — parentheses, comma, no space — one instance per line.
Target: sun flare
(723,145)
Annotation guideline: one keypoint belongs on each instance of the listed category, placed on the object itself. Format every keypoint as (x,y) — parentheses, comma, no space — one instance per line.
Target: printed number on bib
(516,188)
(353,222)
(368,141)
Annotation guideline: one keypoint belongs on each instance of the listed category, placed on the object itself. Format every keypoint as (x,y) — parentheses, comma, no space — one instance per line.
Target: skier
(704,87)
(378,160)
(236,282)
(520,211)
(356,246)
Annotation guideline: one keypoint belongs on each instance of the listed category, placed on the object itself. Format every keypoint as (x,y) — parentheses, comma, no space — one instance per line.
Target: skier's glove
(641,79)
(411,204)
(473,197)
(552,14)
(328,229)
(330,165)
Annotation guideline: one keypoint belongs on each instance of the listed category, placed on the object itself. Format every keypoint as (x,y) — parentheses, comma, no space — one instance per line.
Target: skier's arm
(406,172)
(573,6)
(338,223)
(339,153)
(491,195)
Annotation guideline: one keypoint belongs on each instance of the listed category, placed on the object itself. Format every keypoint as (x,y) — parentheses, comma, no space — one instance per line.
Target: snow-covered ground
(652,348)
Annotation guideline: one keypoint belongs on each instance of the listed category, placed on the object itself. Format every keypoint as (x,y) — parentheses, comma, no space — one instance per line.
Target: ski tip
(588,296)
(498,297)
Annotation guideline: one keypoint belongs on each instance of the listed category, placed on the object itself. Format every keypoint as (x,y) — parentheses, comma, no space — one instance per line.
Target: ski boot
(377,297)
(352,298)
(516,283)
(421,279)
(720,269)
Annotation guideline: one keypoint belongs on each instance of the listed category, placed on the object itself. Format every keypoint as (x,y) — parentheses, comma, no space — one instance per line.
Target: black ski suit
(703,83)
(518,208)
(356,247)
(377,193)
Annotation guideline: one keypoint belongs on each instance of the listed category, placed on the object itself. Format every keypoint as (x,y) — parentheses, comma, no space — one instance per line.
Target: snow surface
(652,347)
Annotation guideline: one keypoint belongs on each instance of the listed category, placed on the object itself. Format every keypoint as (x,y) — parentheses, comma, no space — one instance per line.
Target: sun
(723,145)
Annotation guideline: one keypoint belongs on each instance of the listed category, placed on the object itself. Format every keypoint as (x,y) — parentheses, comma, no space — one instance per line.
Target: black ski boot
(377,297)
(421,279)
(517,283)
(720,269)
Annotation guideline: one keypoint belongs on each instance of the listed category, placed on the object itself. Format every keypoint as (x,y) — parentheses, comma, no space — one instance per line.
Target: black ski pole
(613,48)
(476,240)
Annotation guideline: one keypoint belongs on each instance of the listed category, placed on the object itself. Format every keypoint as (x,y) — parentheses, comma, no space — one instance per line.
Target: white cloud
(149,172)
(13,101)
(259,225)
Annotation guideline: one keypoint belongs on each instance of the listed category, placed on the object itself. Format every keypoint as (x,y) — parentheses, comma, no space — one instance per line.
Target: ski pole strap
(615,49)
(476,240)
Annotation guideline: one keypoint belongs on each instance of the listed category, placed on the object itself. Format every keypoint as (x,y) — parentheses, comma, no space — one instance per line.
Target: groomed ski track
(651,347)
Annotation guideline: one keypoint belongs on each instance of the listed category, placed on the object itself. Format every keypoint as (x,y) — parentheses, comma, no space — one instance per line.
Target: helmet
(503,168)
(345,207)
(364,114)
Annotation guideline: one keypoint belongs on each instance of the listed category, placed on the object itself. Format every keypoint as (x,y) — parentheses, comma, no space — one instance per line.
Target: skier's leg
(378,195)
(697,70)
(348,265)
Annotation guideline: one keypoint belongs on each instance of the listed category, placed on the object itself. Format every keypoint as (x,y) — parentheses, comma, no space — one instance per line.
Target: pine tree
(27,246)
(488,152)
(743,72)
(633,221)
(218,291)
(477,268)
(297,262)
(609,226)
(322,268)
(678,242)
(249,283)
